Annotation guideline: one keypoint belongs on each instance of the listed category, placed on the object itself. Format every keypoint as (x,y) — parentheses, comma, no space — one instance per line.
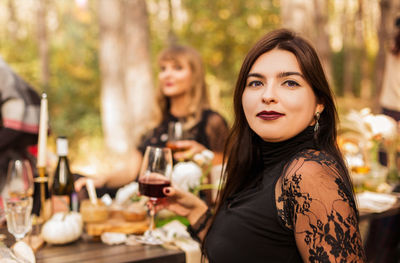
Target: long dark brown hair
(396,45)
(241,153)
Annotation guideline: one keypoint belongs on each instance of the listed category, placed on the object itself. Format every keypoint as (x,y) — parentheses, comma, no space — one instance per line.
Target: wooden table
(98,252)
(95,251)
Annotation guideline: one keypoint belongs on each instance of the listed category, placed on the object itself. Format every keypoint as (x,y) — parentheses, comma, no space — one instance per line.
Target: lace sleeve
(313,201)
(217,132)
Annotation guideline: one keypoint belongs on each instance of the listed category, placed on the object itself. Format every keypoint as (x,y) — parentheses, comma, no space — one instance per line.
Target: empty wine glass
(18,216)
(19,182)
(155,174)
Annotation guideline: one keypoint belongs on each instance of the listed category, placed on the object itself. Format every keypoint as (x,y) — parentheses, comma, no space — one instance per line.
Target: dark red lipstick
(269,115)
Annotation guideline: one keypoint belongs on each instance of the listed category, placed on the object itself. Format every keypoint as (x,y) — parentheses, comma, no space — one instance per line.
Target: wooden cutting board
(117,225)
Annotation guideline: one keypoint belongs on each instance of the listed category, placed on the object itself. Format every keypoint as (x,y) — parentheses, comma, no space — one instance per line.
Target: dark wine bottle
(63,182)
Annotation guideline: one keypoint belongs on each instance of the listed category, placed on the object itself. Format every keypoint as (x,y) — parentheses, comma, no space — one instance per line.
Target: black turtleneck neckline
(274,152)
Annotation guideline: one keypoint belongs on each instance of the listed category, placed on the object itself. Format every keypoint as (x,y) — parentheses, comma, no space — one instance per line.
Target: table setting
(124,221)
(367,141)
(41,221)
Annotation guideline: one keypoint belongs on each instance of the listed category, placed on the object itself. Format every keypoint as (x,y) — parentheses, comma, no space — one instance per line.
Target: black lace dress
(297,210)
(211,131)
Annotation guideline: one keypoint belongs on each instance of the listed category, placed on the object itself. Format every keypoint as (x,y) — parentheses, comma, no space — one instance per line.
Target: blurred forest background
(96,59)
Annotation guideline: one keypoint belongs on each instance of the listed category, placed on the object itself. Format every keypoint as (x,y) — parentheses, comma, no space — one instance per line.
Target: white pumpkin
(62,228)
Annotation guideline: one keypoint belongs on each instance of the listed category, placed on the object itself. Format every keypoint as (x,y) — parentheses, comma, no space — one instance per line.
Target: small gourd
(62,228)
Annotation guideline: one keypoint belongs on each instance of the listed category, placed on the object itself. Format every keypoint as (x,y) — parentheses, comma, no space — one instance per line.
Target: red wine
(153,187)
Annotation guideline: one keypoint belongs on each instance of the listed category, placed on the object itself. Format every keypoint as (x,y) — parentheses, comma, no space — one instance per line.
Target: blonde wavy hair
(198,92)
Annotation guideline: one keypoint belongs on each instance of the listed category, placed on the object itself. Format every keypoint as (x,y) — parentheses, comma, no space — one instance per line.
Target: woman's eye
(255,83)
(291,83)
(177,67)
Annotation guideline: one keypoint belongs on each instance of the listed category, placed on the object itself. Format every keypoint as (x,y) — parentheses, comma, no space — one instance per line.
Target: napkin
(174,233)
(20,252)
(375,202)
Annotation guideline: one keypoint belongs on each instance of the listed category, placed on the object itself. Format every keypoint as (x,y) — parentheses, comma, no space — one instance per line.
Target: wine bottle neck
(62,146)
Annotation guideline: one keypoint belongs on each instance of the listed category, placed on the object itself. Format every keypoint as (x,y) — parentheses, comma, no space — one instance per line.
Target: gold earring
(316,116)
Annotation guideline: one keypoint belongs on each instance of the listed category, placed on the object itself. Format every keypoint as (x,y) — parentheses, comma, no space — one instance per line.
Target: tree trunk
(113,101)
(138,76)
(127,89)
(365,83)
(310,18)
(43,43)
(348,51)
(13,24)
(321,36)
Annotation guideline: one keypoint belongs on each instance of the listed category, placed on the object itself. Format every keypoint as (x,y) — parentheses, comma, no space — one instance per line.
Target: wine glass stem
(152,214)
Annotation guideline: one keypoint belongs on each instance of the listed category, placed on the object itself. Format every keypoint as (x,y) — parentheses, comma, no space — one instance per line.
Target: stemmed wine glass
(18,215)
(155,174)
(17,197)
(175,133)
(19,182)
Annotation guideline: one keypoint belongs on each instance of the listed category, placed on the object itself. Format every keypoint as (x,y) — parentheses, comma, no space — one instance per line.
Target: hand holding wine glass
(175,134)
(182,146)
(155,174)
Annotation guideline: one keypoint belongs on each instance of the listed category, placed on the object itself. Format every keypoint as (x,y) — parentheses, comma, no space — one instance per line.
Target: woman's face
(277,100)
(175,77)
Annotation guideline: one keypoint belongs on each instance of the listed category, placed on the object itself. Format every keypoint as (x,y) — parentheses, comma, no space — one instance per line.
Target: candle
(91,191)
(41,159)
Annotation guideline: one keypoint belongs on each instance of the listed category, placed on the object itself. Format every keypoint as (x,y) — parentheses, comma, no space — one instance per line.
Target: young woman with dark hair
(286,193)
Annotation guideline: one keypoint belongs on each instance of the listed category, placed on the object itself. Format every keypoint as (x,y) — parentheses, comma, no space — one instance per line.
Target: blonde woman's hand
(81,182)
(187,149)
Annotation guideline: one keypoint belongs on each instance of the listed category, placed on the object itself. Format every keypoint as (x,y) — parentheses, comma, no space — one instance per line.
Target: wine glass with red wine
(155,174)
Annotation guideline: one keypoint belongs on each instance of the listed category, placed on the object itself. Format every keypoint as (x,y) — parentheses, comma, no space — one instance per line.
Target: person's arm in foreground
(121,174)
(318,207)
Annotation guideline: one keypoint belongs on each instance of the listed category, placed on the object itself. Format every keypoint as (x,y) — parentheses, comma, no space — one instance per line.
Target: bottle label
(60,203)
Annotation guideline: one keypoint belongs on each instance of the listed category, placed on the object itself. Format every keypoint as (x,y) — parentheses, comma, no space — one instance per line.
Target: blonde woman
(181,96)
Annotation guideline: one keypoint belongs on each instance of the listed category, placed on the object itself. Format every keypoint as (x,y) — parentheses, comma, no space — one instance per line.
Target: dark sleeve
(8,137)
(145,140)
(312,200)
(156,137)
(217,132)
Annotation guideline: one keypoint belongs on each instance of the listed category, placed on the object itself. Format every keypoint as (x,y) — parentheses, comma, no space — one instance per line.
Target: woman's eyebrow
(289,73)
(256,75)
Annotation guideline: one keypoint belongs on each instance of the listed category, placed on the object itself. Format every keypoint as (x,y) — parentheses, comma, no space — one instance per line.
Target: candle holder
(42,202)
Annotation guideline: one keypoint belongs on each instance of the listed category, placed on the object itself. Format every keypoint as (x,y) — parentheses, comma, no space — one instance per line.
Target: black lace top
(211,131)
(299,210)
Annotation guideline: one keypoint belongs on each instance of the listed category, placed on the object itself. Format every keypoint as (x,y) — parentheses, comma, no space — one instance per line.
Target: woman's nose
(165,73)
(269,95)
